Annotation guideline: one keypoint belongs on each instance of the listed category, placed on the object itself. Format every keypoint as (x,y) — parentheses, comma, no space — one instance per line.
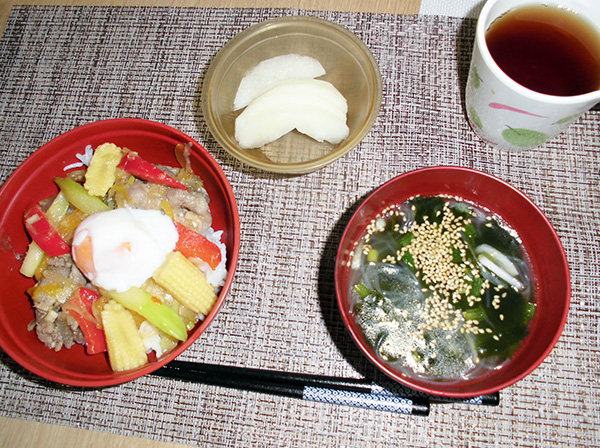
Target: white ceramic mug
(506,114)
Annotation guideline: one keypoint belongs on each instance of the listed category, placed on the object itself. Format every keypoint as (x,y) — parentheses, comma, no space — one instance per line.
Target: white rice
(84,159)
(217,277)
(151,338)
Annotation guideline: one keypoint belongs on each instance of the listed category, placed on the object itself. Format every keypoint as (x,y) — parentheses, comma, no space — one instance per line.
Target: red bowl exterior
(33,181)
(549,264)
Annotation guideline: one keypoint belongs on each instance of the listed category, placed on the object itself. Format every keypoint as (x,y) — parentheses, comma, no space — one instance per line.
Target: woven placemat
(61,67)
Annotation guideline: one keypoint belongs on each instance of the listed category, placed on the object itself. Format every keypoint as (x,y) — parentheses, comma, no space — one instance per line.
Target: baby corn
(126,349)
(101,173)
(184,281)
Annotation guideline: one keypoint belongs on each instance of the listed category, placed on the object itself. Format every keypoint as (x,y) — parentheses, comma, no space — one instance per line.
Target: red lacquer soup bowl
(548,263)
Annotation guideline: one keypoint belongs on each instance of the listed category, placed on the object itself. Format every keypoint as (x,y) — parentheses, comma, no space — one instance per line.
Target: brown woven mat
(61,67)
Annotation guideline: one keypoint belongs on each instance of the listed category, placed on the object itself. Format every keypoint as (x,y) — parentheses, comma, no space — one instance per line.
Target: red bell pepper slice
(44,233)
(138,167)
(195,245)
(80,307)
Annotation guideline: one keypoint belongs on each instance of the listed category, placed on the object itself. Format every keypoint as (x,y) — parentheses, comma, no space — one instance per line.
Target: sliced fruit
(315,108)
(272,71)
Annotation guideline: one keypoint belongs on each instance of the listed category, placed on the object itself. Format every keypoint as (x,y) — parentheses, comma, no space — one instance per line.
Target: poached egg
(121,248)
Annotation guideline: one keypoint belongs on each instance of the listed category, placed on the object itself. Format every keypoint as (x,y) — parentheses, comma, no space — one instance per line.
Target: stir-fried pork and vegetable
(124,257)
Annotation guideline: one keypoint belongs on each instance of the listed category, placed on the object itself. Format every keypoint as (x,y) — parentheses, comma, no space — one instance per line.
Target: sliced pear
(272,71)
(315,108)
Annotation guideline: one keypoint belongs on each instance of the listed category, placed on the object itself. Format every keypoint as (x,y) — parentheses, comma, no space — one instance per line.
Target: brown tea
(547,49)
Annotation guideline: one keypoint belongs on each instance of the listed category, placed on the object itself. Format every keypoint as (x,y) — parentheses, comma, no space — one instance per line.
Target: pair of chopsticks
(385,396)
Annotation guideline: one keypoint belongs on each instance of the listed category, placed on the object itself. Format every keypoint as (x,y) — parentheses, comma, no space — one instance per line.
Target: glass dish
(349,66)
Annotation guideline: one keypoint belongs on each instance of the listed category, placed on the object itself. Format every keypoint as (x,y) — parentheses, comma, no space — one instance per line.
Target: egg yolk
(85,257)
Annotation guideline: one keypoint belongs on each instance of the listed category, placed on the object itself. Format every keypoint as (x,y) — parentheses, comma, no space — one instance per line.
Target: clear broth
(391,324)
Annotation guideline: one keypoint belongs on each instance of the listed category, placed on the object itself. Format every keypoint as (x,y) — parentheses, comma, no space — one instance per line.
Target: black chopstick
(344,391)
(207,372)
(296,379)
(317,387)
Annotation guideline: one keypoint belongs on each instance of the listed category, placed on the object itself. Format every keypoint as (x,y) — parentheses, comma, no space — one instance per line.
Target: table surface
(421,124)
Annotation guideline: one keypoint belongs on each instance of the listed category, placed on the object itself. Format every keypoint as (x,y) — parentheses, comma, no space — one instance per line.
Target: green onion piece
(373,256)
(477,314)
(469,233)
(158,314)
(78,196)
(362,290)
(409,261)
(456,256)
(476,286)
(529,311)
(406,239)
(418,356)
(460,209)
